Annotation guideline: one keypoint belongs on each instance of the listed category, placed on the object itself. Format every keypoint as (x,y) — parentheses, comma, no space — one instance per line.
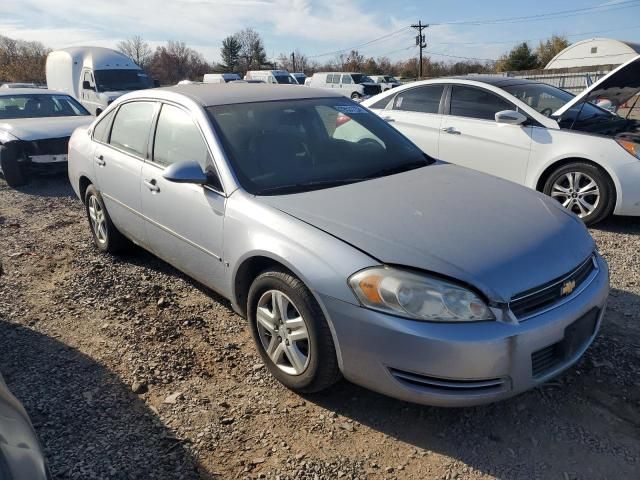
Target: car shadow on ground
(565,424)
(47,185)
(622,225)
(84,415)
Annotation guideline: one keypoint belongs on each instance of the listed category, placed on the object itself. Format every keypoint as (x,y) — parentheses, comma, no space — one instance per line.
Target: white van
(94,76)
(354,85)
(271,76)
(220,77)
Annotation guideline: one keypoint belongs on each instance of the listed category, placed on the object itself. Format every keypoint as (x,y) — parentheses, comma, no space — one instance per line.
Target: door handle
(451,131)
(100,160)
(151,185)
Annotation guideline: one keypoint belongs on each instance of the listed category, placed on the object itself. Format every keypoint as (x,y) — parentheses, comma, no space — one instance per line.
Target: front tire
(583,188)
(291,332)
(105,235)
(356,96)
(14,172)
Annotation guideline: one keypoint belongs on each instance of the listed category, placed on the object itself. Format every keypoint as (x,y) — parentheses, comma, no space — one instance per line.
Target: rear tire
(105,234)
(583,188)
(307,361)
(15,173)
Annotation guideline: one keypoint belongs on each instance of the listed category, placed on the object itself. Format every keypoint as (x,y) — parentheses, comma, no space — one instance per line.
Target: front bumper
(628,201)
(456,365)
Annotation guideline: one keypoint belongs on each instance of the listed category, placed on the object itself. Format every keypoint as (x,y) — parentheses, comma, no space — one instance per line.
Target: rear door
(118,165)
(471,137)
(184,221)
(416,112)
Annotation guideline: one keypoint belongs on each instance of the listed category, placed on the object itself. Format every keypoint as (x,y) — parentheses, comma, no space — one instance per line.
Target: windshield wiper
(405,167)
(307,186)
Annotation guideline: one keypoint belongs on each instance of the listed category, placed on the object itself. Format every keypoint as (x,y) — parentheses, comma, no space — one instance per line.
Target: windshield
(390,79)
(285,79)
(359,78)
(38,106)
(299,145)
(546,99)
(120,79)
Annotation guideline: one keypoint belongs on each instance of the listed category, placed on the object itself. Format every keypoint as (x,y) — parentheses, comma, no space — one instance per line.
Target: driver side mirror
(185,172)
(86,85)
(510,117)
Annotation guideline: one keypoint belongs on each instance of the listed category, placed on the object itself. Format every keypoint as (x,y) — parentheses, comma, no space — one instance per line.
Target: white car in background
(35,126)
(531,133)
(387,82)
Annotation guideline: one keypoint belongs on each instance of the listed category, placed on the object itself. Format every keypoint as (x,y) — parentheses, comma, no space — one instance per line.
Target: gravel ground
(130,370)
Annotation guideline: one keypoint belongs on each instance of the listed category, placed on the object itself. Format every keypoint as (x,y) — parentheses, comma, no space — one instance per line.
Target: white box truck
(94,76)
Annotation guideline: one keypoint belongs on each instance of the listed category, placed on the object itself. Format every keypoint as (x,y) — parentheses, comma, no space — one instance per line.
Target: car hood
(492,234)
(618,87)
(47,127)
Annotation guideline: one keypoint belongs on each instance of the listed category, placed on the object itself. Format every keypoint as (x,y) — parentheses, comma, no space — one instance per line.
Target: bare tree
(136,49)
(22,61)
(252,52)
(176,61)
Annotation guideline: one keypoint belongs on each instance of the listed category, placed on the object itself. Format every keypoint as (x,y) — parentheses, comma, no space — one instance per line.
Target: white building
(595,51)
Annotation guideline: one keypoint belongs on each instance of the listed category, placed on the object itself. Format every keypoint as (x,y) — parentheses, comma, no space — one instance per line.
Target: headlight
(417,296)
(631,147)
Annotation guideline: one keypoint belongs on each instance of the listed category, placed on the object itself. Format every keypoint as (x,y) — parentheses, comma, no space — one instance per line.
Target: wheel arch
(546,173)
(83,184)
(257,262)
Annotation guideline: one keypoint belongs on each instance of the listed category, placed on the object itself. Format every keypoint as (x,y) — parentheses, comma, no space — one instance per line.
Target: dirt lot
(81,332)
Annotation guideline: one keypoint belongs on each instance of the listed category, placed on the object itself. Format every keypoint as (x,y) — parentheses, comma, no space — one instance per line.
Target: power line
(420,42)
(384,37)
(547,16)
(538,39)
(462,57)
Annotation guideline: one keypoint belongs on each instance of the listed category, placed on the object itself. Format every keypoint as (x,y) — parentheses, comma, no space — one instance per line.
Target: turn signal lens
(417,296)
(631,147)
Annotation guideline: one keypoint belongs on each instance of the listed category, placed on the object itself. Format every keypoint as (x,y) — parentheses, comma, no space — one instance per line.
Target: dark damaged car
(35,126)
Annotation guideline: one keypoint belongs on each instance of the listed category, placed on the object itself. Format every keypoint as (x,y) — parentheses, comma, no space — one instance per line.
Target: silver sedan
(349,251)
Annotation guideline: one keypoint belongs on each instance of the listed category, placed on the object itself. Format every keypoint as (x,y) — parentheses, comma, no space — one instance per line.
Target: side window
(420,99)
(131,127)
(346,79)
(101,130)
(88,78)
(476,103)
(335,78)
(381,104)
(178,139)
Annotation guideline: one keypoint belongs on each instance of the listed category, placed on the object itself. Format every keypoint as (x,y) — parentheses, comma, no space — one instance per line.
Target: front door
(118,166)
(471,137)
(184,222)
(89,96)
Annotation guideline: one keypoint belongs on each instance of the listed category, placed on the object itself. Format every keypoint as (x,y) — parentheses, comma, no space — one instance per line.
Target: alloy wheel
(283,332)
(98,219)
(578,192)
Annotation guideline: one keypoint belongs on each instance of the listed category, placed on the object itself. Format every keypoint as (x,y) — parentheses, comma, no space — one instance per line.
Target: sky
(319,28)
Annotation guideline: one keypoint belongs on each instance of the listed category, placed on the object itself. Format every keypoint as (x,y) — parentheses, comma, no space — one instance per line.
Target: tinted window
(476,103)
(297,145)
(130,130)
(39,106)
(121,79)
(101,130)
(178,139)
(420,99)
(346,79)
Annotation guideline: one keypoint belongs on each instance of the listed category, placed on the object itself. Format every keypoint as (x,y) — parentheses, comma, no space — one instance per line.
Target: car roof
(29,91)
(208,94)
(497,81)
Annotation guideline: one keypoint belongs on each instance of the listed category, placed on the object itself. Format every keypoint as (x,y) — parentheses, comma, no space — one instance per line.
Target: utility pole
(293,61)
(420,42)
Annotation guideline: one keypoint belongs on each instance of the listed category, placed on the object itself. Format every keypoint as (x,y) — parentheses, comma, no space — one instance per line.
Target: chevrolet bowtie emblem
(568,287)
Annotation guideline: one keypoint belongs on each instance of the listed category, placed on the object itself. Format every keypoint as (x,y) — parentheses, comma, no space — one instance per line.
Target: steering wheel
(546,112)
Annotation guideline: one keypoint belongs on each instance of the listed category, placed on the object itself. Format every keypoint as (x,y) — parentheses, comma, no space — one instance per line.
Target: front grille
(49,146)
(444,385)
(372,89)
(576,336)
(533,301)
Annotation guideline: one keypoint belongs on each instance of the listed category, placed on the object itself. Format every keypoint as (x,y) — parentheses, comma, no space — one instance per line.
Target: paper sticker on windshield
(350,109)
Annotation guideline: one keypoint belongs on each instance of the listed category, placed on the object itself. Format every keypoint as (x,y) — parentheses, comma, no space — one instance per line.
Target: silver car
(349,251)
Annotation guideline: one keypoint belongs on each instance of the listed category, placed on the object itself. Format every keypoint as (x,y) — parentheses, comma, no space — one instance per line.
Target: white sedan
(531,133)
